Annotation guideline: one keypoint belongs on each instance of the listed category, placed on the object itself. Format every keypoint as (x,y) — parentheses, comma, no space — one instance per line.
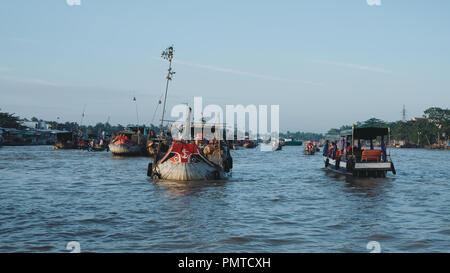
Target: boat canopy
(334,137)
(366,133)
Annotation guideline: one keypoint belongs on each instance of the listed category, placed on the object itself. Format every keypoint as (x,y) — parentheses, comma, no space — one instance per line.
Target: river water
(274,202)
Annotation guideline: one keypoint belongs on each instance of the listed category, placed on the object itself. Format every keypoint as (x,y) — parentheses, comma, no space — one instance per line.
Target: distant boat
(250,144)
(292,142)
(310,148)
(131,142)
(65,140)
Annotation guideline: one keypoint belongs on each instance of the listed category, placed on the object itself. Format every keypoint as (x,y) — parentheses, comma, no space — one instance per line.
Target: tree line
(8,120)
(432,128)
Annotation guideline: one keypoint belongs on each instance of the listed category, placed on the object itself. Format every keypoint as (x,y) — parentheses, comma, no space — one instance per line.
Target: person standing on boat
(331,149)
(349,148)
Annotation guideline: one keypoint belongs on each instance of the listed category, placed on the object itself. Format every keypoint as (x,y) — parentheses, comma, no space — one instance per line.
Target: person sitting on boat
(308,146)
(209,149)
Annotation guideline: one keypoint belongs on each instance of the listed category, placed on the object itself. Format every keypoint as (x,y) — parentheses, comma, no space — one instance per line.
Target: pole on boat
(137,120)
(389,140)
(137,112)
(82,117)
(353,140)
(167,54)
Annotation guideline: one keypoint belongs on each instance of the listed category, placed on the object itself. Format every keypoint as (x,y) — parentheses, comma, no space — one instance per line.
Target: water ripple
(274,202)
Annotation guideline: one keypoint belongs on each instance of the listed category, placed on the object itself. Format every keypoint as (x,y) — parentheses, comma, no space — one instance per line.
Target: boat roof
(333,137)
(367,132)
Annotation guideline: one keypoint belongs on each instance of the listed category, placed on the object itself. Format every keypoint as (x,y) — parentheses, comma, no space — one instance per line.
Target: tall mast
(167,54)
(81,121)
(82,115)
(137,113)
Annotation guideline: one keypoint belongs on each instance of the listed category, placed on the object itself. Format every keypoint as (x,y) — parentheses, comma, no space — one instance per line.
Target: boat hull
(177,171)
(125,149)
(184,162)
(360,169)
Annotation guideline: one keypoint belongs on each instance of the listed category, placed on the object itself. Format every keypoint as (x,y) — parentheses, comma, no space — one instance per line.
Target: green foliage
(302,136)
(440,118)
(433,128)
(8,120)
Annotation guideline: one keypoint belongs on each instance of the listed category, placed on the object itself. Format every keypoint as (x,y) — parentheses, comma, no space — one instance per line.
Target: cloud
(30,81)
(242,73)
(4,69)
(356,66)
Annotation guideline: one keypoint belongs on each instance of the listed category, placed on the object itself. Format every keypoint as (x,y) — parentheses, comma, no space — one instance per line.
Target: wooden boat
(65,140)
(310,148)
(131,142)
(354,159)
(187,161)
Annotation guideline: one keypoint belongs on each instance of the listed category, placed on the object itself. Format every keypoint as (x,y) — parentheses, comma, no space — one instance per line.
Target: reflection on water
(177,188)
(274,202)
(370,186)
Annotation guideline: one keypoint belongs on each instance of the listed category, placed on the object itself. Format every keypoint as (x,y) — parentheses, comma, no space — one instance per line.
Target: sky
(326,63)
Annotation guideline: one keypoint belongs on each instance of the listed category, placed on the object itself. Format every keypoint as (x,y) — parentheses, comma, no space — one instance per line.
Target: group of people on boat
(311,148)
(93,143)
(357,151)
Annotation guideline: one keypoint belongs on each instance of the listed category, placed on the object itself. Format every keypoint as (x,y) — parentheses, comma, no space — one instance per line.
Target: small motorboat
(345,156)
(310,149)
